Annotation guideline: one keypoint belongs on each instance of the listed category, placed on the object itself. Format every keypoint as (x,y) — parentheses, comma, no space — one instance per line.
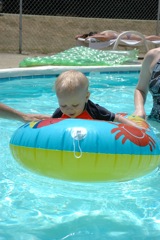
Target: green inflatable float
(83,56)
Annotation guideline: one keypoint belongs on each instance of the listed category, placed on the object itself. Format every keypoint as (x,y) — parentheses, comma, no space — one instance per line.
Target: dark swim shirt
(91,111)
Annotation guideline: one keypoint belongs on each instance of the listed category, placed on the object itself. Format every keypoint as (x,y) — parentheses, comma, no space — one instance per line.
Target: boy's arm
(120,119)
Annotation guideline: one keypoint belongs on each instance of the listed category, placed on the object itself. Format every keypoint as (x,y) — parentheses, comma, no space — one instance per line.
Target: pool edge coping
(47,70)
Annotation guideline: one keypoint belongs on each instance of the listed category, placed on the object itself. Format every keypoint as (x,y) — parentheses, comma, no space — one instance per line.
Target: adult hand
(33,117)
(141,114)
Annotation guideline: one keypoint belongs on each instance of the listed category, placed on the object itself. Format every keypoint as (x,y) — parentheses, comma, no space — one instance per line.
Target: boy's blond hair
(70,81)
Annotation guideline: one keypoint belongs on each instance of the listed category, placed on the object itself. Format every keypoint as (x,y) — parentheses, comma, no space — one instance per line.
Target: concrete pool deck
(11,60)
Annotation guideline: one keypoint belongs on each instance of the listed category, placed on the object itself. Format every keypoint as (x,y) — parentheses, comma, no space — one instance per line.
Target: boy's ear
(87,96)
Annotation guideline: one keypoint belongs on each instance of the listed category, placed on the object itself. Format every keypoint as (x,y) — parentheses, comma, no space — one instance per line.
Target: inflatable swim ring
(86,150)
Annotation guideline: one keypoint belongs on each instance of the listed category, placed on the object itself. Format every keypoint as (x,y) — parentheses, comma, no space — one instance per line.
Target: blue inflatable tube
(86,150)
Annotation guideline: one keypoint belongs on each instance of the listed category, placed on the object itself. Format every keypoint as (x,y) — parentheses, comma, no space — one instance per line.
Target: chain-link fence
(50,26)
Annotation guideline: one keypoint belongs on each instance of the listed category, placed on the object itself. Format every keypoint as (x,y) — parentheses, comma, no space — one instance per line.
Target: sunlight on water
(34,207)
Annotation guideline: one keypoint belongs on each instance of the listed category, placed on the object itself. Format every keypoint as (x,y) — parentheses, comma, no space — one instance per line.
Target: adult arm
(142,87)
(10,113)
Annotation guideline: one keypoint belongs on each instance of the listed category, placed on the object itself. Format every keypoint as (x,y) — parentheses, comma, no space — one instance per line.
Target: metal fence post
(1,7)
(20,26)
(158,15)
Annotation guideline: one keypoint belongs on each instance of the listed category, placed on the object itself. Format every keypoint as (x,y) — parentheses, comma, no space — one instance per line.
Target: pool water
(34,207)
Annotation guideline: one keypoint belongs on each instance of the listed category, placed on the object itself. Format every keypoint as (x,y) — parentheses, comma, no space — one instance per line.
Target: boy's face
(72,103)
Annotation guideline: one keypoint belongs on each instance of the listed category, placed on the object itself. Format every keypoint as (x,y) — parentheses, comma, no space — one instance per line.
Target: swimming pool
(35,207)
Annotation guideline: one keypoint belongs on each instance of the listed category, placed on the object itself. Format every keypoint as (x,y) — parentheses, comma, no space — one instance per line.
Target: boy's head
(72,92)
